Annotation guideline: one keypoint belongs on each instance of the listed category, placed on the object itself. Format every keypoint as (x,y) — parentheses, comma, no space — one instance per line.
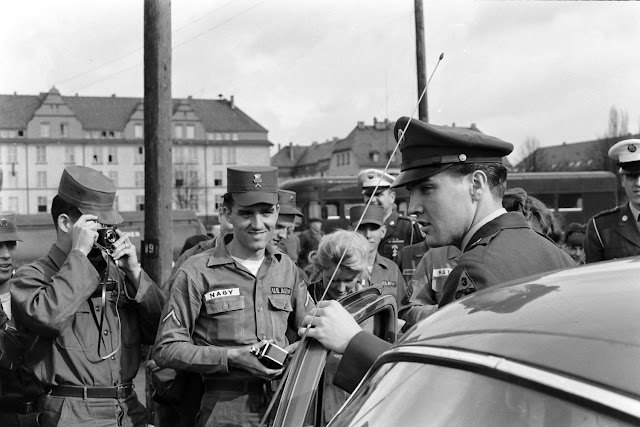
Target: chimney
(335,139)
(113,95)
(453,124)
(189,97)
(314,143)
(231,102)
(278,146)
(291,151)
(76,93)
(15,92)
(375,122)
(220,96)
(360,125)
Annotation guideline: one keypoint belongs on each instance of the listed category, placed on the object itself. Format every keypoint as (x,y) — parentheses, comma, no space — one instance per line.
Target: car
(558,349)
(561,348)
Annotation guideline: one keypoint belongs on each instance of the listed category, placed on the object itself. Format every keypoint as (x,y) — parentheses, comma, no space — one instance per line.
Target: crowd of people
(74,321)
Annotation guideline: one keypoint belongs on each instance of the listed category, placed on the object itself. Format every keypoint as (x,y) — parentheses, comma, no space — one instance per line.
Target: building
(41,134)
(366,146)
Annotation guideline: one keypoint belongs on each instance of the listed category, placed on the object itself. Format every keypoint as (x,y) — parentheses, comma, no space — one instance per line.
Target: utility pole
(421,64)
(158,106)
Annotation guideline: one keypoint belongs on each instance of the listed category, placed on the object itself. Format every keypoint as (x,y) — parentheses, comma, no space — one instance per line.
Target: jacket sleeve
(593,249)
(361,352)
(422,301)
(148,301)
(174,347)
(46,306)
(466,278)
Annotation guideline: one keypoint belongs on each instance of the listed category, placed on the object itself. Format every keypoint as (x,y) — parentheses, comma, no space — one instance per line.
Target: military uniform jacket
(216,303)
(503,249)
(612,234)
(54,302)
(401,231)
(410,257)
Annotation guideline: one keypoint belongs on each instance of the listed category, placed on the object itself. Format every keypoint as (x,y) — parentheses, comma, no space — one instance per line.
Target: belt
(111,286)
(241,386)
(118,392)
(19,407)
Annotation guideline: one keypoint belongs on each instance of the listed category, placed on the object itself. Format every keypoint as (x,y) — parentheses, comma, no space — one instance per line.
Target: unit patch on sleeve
(281,291)
(465,285)
(219,293)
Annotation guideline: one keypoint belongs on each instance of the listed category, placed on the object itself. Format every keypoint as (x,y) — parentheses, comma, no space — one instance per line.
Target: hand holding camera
(122,251)
(84,233)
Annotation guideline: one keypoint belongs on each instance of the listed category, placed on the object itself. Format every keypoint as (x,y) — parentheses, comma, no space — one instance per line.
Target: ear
(383,230)
(225,212)
(479,184)
(392,194)
(64,223)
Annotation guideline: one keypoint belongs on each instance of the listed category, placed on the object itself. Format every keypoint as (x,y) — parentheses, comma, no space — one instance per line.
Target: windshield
(411,393)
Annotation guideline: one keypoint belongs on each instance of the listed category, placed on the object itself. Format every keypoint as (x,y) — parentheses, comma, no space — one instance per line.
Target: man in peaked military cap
(19,388)
(85,317)
(456,180)
(238,295)
(615,233)
(400,231)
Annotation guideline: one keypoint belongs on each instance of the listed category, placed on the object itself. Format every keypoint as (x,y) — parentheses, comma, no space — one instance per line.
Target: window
(113,176)
(69,154)
(192,154)
(41,154)
(42,204)
(64,130)
(177,131)
(4,133)
(193,202)
(13,204)
(179,178)
(227,137)
(192,178)
(87,135)
(112,134)
(138,131)
(234,137)
(374,156)
(12,134)
(178,154)
(103,134)
(217,201)
(139,155)
(112,154)
(217,155)
(20,133)
(42,179)
(191,131)
(231,155)
(44,129)
(95,134)
(12,154)
(349,157)
(139,179)
(217,178)
(140,203)
(97,155)
(210,136)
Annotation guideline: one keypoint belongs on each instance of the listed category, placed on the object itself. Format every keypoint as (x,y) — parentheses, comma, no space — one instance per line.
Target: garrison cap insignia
(465,285)
(172,315)
(3,222)
(257,180)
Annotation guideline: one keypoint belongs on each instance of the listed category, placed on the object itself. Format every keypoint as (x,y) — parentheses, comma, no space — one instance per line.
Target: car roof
(583,322)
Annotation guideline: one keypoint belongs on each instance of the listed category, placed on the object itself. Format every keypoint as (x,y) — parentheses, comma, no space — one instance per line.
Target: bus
(574,196)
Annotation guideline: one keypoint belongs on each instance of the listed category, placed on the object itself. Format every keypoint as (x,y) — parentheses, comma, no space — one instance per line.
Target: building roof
(113,113)
(363,141)
(317,152)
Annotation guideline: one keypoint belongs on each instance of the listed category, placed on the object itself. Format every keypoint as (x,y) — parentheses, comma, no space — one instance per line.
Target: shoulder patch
(465,285)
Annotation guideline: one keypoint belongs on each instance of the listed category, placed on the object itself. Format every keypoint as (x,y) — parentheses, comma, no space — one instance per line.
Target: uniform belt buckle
(122,390)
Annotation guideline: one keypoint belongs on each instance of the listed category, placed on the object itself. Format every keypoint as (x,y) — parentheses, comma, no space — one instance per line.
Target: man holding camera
(85,308)
(227,303)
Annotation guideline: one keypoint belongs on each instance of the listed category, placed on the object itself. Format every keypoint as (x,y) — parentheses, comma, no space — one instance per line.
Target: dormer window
(374,156)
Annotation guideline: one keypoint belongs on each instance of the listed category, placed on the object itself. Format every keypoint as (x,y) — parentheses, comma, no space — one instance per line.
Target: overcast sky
(310,70)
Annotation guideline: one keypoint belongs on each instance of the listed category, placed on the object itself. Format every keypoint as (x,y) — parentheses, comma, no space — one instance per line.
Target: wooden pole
(158,108)
(421,64)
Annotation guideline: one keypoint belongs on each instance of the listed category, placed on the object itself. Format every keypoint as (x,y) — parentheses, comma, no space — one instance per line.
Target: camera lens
(111,236)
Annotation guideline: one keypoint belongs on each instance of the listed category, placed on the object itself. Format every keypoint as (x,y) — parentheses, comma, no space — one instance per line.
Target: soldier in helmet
(401,231)
(615,233)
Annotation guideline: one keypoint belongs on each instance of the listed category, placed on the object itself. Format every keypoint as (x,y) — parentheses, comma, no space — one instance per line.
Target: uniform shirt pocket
(226,319)
(280,308)
(82,335)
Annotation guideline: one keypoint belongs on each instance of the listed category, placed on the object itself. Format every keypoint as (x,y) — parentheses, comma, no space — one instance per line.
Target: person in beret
(615,233)
(87,307)
(231,299)
(20,388)
(573,242)
(456,181)
(400,230)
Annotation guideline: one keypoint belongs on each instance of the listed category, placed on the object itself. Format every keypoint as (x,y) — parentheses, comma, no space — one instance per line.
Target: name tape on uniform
(281,291)
(219,293)
(439,272)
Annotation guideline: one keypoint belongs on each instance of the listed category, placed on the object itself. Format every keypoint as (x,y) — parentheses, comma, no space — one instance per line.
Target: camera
(271,356)
(107,236)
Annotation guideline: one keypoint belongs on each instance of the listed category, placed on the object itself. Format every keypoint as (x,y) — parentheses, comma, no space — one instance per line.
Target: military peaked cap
(627,154)
(369,179)
(428,149)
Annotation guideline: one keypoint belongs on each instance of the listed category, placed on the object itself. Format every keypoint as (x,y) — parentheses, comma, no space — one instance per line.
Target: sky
(310,70)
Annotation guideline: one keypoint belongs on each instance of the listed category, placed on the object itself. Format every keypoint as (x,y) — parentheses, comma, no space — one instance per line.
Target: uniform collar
(57,255)
(220,255)
(493,215)
(634,212)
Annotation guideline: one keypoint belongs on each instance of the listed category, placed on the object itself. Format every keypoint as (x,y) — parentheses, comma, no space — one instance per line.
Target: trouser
(99,412)
(15,419)
(226,403)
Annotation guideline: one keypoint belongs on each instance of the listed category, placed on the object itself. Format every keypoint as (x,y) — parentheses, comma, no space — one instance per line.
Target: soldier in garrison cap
(288,217)
(20,389)
(456,181)
(401,230)
(615,233)
(225,301)
(87,307)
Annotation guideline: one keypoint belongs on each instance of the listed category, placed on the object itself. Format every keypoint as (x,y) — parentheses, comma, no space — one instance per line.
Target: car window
(415,393)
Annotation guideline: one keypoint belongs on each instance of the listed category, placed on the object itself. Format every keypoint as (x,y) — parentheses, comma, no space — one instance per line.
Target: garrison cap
(627,154)
(288,210)
(373,215)
(575,234)
(8,229)
(429,149)
(91,192)
(370,178)
(251,185)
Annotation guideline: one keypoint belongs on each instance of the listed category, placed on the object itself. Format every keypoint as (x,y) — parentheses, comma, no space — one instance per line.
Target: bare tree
(618,122)
(187,186)
(529,155)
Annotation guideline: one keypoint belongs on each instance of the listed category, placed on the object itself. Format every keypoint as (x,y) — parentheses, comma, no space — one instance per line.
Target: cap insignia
(462,157)
(257,180)
(632,148)
(291,197)
(3,222)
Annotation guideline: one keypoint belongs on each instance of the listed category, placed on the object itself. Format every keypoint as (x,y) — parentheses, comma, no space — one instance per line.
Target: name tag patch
(440,272)
(408,271)
(281,291)
(219,293)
